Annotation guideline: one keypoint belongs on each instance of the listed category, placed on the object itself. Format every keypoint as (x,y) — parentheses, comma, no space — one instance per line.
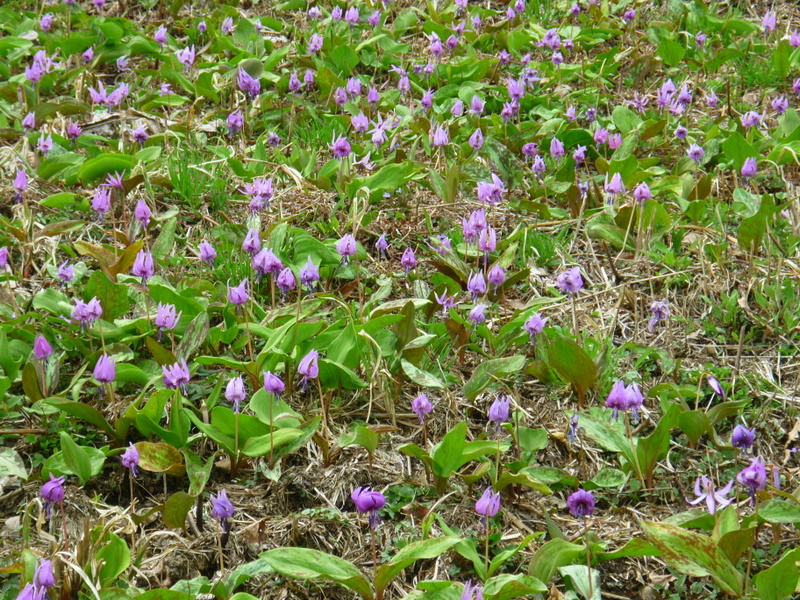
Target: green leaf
(115,556)
(75,458)
(489,371)
(779,511)
(507,586)
(100,166)
(198,472)
(578,580)
(671,52)
(420,377)
(625,119)
(362,436)
(522,478)
(552,555)
(609,478)
(334,375)
(176,508)
(573,364)
(166,240)
(310,565)
(11,463)
(531,441)
(85,412)
(738,149)
(408,555)
(113,296)
(259,446)
(695,424)
(163,595)
(158,457)
(194,336)
(780,580)
(694,554)
(446,455)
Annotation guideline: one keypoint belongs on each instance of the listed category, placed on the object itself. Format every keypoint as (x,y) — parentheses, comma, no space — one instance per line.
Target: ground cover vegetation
(422,300)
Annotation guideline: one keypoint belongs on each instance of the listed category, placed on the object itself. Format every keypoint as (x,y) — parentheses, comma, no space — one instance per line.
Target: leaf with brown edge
(126,260)
(694,554)
(158,457)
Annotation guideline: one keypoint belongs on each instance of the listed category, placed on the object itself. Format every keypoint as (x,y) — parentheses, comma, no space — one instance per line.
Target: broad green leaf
(100,166)
(694,554)
(158,457)
(115,558)
(522,478)
(408,555)
(671,52)
(490,371)
(362,436)
(309,565)
(552,555)
(113,296)
(83,411)
(76,458)
(609,478)
(446,455)
(779,582)
(779,511)
(420,377)
(573,364)
(194,336)
(507,586)
(11,463)
(176,508)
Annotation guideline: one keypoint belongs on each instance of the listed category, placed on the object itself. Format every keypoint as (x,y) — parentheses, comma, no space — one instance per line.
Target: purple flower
(45,144)
(421,406)
(315,43)
(704,490)
(581,504)
(260,192)
(201,27)
(20,184)
(166,318)
(142,213)
(104,369)
(207,253)
(742,438)
(382,245)
(340,147)
(42,348)
(498,411)
(227,25)
(661,312)
(458,108)
(29,121)
(46,22)
(534,325)
(314,13)
(487,241)
(351,16)
(780,105)
(88,55)
(160,37)
(73,131)
(749,168)
(367,500)
(751,119)
(309,366)
(794,39)
(446,302)
(476,285)
(488,505)
(716,386)
(556,149)
(530,149)
(186,56)
(695,153)
(252,242)
(143,266)
(496,276)
(769,21)
(247,84)
(52,492)
(754,477)
(374,19)
(3,258)
(572,431)
(617,399)
(130,459)
(579,155)
(439,136)
(235,393)
(476,140)
(222,509)
(309,275)
(86,313)
(634,400)
(43,578)
(477,315)
(273,384)
(285,281)
(615,186)
(642,193)
(176,375)
(140,135)
(408,261)
(491,191)
(238,295)
(711,99)
(122,64)
(266,262)
(629,15)
(570,281)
